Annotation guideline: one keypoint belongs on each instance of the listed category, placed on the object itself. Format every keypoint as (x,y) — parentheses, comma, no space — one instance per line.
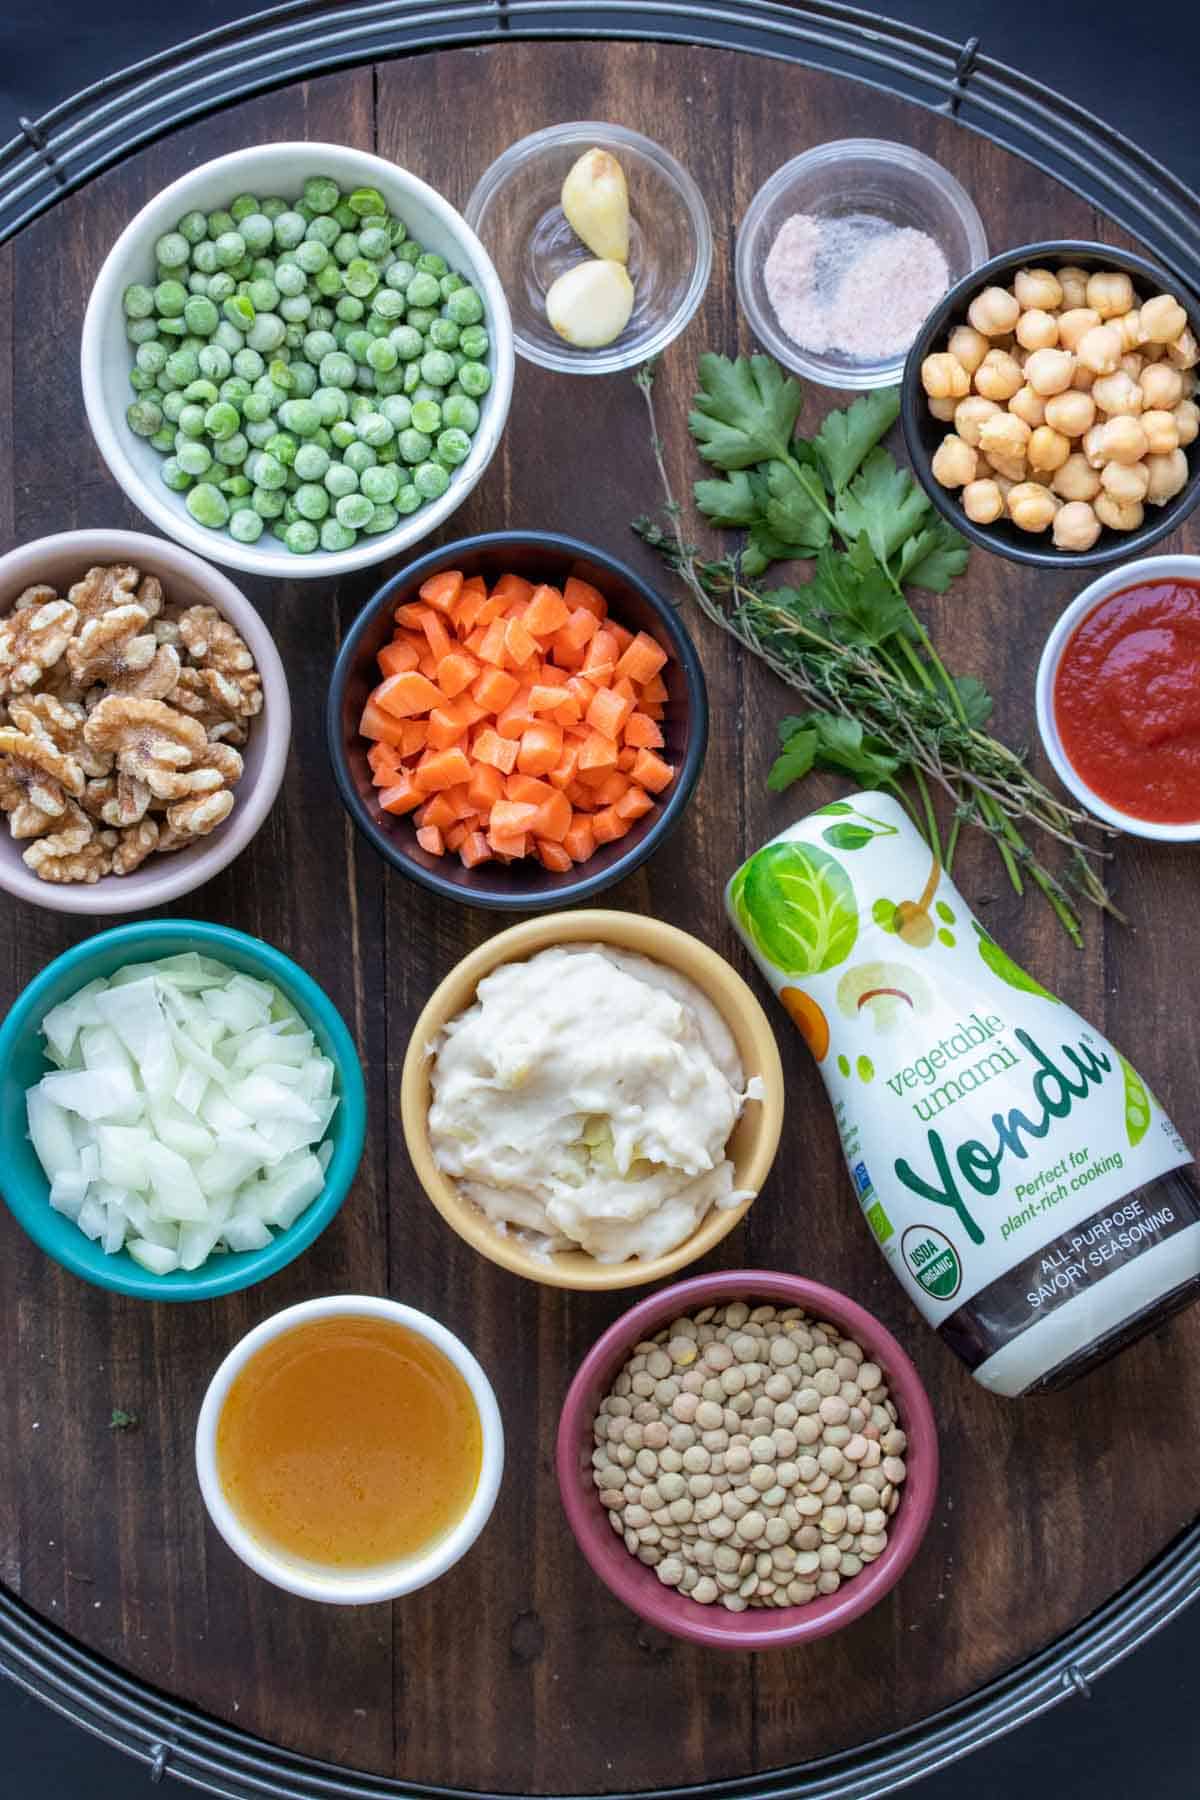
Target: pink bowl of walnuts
(144,722)
(826,1473)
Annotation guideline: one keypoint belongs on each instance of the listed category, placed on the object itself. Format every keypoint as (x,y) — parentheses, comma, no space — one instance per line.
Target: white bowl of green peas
(297,360)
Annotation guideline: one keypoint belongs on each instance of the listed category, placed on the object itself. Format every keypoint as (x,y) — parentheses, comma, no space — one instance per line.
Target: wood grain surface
(518,1672)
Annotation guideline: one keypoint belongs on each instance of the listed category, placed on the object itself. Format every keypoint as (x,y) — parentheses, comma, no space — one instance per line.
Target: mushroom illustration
(889,993)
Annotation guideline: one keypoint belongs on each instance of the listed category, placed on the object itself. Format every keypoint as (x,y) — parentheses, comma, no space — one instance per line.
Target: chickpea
(1162,319)
(1004,484)
(1187,420)
(1130,327)
(1048,449)
(1120,515)
(1004,435)
(1031,507)
(1076,480)
(1162,432)
(1074,323)
(1123,440)
(970,414)
(1038,290)
(1133,363)
(983,502)
(943,409)
(1014,469)
(1184,353)
(1125,481)
(1093,445)
(999,375)
(1073,282)
(995,311)
(954,463)
(943,377)
(1168,476)
(967,346)
(1117,393)
(1037,330)
(1100,349)
(1049,371)
(1072,413)
(1162,387)
(1028,406)
(1076,526)
(1110,294)
(1083,378)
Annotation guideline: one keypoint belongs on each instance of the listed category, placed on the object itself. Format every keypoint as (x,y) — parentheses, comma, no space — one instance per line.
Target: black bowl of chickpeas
(1050,404)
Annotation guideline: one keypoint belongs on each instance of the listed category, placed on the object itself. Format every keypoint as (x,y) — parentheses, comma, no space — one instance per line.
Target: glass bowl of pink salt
(844,252)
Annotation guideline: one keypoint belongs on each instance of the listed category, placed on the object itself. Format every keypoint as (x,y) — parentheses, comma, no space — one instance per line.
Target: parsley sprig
(885,710)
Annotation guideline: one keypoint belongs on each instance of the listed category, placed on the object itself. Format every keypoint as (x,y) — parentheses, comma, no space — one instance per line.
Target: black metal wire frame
(56,154)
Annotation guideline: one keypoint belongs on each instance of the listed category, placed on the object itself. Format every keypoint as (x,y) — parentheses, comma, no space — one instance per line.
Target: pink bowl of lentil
(713,1626)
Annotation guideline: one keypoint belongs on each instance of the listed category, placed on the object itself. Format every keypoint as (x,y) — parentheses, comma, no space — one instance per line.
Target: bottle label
(990,1132)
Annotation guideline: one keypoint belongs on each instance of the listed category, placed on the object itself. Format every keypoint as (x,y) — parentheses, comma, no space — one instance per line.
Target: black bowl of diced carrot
(517,721)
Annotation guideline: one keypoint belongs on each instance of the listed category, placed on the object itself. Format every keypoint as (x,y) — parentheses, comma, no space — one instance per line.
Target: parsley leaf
(791,512)
(745,412)
(883,503)
(933,557)
(976,701)
(733,502)
(794,761)
(845,438)
(122,1420)
(829,741)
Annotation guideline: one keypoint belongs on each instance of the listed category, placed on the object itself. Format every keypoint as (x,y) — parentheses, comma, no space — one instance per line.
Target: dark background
(1140,1732)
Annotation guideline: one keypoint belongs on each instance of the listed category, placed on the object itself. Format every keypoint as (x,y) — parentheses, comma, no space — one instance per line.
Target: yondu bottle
(1027,1189)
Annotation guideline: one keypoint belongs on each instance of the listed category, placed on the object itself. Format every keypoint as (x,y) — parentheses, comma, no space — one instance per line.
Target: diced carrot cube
(547,612)
(642,659)
(613,788)
(623,636)
(608,825)
(543,698)
(485,787)
(626,757)
(654,709)
(598,753)
(510,849)
(501,753)
(580,841)
(566,653)
(492,649)
(442,590)
(406,695)
(528,788)
(437,813)
(654,691)
(442,769)
(493,608)
(568,711)
(427,666)
(384,727)
(397,657)
(457,835)
(430,839)
(402,797)
(474,849)
(634,803)
(439,639)
(475,642)
(415,736)
(564,773)
(445,728)
(508,817)
(578,593)
(652,772)
(541,747)
(642,732)
(519,643)
(494,689)
(601,658)
(516,717)
(459,800)
(553,856)
(608,712)
(553,818)
(384,759)
(469,605)
(582,689)
(513,587)
(412,614)
(455,672)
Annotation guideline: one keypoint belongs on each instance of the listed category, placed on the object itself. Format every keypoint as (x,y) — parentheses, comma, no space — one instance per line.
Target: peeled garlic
(596,202)
(590,304)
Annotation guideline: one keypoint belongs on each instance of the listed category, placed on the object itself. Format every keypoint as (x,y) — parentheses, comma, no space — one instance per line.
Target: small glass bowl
(516,211)
(836,181)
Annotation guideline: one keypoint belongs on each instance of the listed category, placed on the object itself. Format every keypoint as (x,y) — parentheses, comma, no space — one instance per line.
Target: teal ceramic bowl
(22,1063)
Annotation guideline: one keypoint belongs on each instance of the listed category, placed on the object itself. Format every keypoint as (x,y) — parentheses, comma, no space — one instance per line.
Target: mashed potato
(586,1100)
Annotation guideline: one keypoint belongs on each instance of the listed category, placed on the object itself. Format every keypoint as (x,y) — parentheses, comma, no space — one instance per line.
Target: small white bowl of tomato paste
(1118,698)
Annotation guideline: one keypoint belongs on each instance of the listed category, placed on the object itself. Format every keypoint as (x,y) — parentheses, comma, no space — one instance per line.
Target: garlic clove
(596,202)
(590,305)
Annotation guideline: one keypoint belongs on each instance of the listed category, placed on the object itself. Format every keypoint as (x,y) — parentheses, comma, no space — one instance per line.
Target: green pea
(269,471)
(138,301)
(221,287)
(361,278)
(215,362)
(350,309)
(170,298)
(451,284)
(426,416)
(175,475)
(423,289)
(329,281)
(289,230)
(361,407)
(438,369)
(193,226)
(312,502)
(267,502)
(208,505)
(295,308)
(258,233)
(197,284)
(387,304)
(272,206)
(151,357)
(183,366)
(141,331)
(383,518)
(300,416)
(335,536)
(354,510)
(330,402)
(172,250)
(464,306)
(233,449)
(319,344)
(144,416)
(231,247)
(234,389)
(398,409)
(322,318)
(359,457)
(475,379)
(412,378)
(453,447)
(343,433)
(172,405)
(141,381)
(194,457)
(376,429)
(375,244)
(281,374)
(312,256)
(289,279)
(302,537)
(304,380)
(408,499)
(323,230)
(409,343)
(201,316)
(399,275)
(474,343)
(345,248)
(236,487)
(414,446)
(264,295)
(228,336)
(321,193)
(460,412)
(431,480)
(204,258)
(380,485)
(346,216)
(173,327)
(267,333)
(357,343)
(191,422)
(221,420)
(339,480)
(443,334)
(259,432)
(248,364)
(367,203)
(311,462)
(421,318)
(163,440)
(382,355)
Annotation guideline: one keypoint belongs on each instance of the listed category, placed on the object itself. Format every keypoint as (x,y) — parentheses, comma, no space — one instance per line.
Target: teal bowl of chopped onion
(182,1110)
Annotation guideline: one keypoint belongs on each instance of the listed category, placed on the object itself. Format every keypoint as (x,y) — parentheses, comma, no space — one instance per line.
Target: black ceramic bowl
(923,433)
(525,886)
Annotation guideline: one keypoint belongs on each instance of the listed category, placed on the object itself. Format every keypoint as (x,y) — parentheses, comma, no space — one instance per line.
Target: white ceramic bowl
(335,1587)
(65,558)
(1114,581)
(106,354)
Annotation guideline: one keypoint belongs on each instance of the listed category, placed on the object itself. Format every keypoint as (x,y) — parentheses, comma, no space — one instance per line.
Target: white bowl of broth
(350,1449)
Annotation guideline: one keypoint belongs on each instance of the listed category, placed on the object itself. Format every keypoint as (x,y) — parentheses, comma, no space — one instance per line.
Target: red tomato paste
(1127,701)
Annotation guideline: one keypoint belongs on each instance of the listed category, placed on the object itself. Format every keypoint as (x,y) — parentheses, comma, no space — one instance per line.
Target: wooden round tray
(519,1672)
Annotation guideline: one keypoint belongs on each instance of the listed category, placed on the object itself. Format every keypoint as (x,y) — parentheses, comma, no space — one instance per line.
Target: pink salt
(855,286)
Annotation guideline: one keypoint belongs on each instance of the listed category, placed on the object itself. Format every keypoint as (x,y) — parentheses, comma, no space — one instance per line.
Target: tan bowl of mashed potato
(738,1040)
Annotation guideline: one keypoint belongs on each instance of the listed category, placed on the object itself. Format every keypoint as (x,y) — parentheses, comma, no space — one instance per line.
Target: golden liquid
(349,1443)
